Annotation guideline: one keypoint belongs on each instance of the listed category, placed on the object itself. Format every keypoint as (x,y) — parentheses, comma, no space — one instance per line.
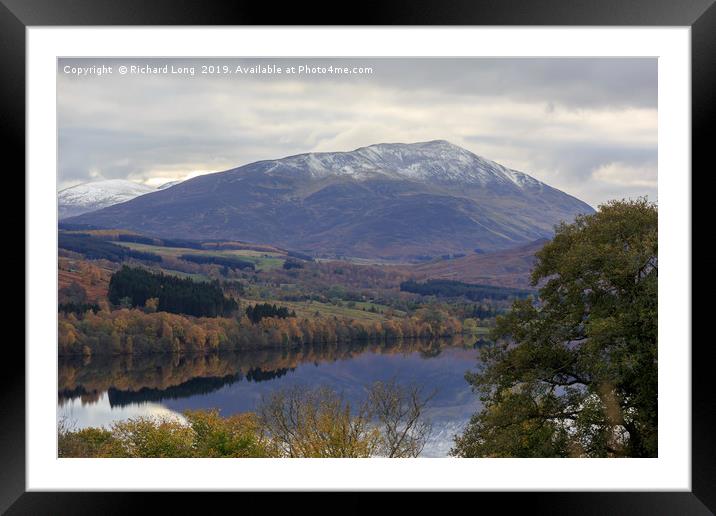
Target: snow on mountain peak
(434,161)
(87,197)
(438,161)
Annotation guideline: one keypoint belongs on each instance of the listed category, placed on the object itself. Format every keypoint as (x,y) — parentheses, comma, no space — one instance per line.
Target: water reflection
(99,390)
(77,414)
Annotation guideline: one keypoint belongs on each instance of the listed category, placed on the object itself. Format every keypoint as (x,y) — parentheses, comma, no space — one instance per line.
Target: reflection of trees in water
(431,352)
(259,375)
(131,379)
(481,341)
(193,387)
(86,397)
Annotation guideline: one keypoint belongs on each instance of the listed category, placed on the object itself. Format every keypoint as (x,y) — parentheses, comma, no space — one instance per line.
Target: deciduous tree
(574,373)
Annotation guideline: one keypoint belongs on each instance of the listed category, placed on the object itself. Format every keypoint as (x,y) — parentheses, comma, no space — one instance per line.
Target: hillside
(508,268)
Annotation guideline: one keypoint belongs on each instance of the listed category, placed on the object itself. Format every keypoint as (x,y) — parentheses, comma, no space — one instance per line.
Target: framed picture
(417,253)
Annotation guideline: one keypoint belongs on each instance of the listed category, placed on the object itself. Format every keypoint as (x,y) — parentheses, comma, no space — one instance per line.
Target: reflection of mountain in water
(134,379)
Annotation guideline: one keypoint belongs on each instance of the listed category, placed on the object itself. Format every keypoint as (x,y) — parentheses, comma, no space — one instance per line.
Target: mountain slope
(93,196)
(392,201)
(169,184)
(505,268)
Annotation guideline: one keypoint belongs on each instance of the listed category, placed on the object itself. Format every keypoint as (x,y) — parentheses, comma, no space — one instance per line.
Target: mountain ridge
(377,158)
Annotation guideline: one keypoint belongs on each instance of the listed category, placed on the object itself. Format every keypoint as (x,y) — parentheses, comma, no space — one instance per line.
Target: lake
(95,391)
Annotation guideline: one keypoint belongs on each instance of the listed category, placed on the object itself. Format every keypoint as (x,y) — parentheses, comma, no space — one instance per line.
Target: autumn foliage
(132,331)
(297,422)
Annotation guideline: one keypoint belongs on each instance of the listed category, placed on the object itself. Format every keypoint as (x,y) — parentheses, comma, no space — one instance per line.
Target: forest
(137,331)
(132,287)
(95,248)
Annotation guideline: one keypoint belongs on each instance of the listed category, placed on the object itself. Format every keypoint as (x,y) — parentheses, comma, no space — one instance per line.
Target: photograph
(357,257)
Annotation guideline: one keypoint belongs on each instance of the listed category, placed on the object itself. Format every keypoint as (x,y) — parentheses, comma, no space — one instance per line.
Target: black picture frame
(700,15)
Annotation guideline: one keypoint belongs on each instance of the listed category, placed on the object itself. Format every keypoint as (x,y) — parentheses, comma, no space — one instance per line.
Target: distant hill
(386,201)
(87,197)
(507,268)
(96,195)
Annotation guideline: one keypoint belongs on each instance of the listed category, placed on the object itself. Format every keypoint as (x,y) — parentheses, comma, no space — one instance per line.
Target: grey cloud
(571,167)
(557,119)
(574,82)
(570,82)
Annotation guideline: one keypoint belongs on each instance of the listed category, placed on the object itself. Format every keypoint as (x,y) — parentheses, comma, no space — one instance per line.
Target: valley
(328,300)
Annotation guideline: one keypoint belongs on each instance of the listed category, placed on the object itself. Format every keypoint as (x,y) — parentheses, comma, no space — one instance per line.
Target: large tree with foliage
(574,373)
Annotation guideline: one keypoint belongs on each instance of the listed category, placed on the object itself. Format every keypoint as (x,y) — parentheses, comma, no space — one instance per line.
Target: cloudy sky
(585,126)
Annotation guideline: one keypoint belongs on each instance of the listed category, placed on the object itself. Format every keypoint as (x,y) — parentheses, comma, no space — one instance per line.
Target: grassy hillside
(510,268)
(263,260)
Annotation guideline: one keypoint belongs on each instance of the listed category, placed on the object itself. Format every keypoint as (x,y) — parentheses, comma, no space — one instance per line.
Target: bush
(204,434)
(234,436)
(87,443)
(154,437)
(296,422)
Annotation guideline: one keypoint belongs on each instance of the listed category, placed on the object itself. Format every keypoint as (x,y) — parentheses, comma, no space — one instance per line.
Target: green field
(308,309)
(180,274)
(263,260)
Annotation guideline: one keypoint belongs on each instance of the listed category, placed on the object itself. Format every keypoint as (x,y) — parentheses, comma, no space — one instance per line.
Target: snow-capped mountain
(436,161)
(393,201)
(93,196)
(96,195)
